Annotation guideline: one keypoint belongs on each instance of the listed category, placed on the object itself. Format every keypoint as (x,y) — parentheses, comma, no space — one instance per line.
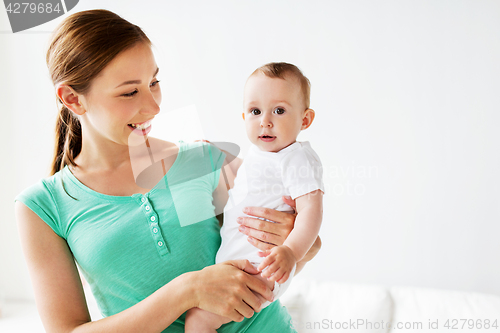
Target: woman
(146,253)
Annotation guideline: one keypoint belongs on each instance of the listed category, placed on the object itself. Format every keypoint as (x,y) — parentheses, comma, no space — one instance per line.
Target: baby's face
(273,111)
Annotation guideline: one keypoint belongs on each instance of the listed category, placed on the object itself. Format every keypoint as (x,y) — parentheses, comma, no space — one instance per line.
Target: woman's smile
(141,128)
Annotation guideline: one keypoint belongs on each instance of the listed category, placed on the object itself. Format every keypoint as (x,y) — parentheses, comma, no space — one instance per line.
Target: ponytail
(68,140)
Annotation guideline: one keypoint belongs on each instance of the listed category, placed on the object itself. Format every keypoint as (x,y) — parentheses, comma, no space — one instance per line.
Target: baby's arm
(281,259)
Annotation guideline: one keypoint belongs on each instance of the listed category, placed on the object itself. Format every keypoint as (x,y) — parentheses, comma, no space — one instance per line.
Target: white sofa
(337,307)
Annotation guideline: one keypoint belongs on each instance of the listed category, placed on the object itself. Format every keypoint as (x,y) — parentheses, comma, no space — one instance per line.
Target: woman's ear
(308,118)
(70,98)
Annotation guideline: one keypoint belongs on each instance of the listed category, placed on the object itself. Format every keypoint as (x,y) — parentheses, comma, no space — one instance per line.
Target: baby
(276,109)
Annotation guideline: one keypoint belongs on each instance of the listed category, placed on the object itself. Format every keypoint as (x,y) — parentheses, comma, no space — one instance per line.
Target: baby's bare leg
(201,321)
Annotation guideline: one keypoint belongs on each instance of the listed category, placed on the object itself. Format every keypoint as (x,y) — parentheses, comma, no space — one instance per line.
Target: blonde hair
(282,70)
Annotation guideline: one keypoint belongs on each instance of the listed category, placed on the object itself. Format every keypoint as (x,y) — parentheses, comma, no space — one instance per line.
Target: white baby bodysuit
(262,180)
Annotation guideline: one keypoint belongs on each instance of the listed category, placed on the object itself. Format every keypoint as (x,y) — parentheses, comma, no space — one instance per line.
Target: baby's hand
(278,264)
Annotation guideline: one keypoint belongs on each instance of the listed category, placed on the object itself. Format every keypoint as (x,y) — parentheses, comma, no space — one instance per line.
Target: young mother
(147,249)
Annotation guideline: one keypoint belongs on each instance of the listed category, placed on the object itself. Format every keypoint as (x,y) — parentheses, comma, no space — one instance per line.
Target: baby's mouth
(267,138)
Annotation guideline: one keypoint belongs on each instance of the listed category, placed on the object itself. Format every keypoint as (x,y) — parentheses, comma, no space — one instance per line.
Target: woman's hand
(228,288)
(265,235)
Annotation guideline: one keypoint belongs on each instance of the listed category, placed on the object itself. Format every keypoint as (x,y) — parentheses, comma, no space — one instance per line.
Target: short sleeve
(302,172)
(217,158)
(39,199)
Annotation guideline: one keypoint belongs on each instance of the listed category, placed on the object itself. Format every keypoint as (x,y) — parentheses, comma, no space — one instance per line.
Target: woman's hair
(282,70)
(80,48)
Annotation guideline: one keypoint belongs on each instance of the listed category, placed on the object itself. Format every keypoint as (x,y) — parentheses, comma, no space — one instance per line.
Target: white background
(405,94)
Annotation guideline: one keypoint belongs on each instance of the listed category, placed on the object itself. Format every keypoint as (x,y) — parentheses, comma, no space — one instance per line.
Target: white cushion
(327,306)
(426,307)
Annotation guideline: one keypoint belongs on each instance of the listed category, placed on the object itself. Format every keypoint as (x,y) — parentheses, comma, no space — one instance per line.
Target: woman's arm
(226,182)
(229,168)
(224,289)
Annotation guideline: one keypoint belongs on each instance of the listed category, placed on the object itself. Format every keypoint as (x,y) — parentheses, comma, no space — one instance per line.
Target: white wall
(405,94)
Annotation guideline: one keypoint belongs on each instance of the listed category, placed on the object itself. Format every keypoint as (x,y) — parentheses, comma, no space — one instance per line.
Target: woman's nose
(151,105)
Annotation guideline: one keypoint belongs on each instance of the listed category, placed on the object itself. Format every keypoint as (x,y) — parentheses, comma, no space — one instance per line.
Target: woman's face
(126,94)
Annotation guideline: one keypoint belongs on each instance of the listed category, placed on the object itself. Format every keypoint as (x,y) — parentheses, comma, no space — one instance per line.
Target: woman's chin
(135,140)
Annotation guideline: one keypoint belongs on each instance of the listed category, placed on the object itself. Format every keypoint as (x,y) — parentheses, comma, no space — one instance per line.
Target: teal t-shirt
(127,247)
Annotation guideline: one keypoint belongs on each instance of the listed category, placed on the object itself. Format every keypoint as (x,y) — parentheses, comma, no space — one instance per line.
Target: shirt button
(156,231)
(147,207)
(153,218)
(143,199)
(160,243)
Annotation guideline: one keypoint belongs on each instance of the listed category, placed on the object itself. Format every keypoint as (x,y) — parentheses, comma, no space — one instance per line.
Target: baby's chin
(270,148)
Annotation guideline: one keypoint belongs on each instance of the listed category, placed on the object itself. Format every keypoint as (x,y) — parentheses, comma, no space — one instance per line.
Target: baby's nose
(266,123)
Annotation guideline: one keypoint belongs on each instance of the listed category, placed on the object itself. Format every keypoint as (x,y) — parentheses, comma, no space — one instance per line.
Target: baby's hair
(281,70)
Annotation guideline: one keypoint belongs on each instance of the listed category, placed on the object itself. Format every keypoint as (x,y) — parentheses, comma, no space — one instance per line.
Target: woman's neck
(102,156)
(110,156)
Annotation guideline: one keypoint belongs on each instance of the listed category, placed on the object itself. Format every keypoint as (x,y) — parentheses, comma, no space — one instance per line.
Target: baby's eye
(279,110)
(154,83)
(255,112)
(131,94)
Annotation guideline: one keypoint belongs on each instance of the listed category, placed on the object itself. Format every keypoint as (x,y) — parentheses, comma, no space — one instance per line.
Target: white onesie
(262,179)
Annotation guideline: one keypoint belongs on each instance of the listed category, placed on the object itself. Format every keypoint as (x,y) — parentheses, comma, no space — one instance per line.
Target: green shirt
(127,247)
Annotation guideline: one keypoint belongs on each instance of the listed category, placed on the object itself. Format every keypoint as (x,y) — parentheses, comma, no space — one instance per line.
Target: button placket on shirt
(153,225)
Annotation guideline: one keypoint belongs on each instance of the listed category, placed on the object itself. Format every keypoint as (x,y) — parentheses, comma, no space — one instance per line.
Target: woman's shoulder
(197,159)
(198,150)
(41,198)
(180,143)
(188,150)
(44,187)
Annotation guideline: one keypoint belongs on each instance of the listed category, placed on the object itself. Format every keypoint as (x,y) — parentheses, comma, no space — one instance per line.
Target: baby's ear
(308,118)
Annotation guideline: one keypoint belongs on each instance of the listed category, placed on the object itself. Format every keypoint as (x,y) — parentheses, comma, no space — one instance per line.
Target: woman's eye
(255,112)
(279,110)
(131,94)
(154,83)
